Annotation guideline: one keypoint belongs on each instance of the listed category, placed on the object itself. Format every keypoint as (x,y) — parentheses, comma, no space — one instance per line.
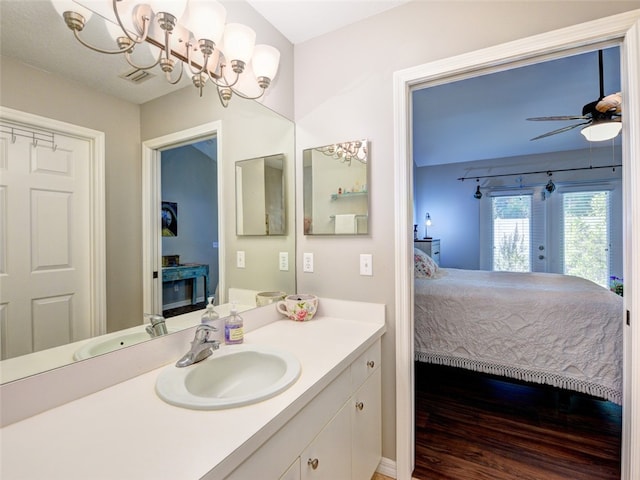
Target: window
(511,233)
(585,246)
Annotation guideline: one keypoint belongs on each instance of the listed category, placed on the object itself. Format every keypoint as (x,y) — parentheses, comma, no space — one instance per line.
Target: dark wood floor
(471,426)
(186,309)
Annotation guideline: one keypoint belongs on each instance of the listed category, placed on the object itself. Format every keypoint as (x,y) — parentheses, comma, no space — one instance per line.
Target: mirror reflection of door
(189,193)
(45,239)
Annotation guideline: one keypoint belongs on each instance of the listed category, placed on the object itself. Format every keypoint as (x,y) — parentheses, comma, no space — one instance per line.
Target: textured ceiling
(472,119)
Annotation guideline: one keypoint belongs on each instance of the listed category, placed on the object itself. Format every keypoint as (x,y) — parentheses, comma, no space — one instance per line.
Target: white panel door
(45,240)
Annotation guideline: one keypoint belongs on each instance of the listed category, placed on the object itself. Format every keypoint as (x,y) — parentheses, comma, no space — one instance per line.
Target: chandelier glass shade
(192,37)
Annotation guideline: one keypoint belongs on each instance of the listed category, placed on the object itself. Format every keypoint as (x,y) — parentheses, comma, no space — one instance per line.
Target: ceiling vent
(137,76)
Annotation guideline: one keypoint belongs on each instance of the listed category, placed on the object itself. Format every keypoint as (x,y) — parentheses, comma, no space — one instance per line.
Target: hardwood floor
(186,309)
(471,426)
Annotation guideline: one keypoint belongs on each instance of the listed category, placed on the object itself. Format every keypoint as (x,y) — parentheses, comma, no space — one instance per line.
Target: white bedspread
(540,327)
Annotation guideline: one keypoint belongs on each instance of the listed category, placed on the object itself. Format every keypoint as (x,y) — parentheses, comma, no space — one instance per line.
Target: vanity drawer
(365,365)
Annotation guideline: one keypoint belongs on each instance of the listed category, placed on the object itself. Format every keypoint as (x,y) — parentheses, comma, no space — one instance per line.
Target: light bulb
(239,41)
(172,7)
(265,61)
(206,20)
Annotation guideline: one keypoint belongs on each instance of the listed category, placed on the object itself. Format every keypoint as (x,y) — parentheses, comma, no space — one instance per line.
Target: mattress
(547,328)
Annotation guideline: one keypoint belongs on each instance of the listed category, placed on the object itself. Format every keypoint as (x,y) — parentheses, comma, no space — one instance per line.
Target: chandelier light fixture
(347,151)
(192,38)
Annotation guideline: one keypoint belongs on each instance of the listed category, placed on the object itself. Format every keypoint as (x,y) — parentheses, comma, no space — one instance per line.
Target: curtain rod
(478,177)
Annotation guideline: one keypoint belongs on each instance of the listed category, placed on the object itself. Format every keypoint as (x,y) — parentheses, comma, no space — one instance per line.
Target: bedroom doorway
(622,29)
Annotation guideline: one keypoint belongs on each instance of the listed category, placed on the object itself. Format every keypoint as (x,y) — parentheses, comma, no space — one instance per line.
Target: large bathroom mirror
(260,201)
(68,83)
(335,189)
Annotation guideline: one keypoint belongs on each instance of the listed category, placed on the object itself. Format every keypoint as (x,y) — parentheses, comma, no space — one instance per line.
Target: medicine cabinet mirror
(335,189)
(260,207)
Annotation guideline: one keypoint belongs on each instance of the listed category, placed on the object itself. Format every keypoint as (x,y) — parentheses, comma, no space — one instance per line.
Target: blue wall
(189,178)
(455,212)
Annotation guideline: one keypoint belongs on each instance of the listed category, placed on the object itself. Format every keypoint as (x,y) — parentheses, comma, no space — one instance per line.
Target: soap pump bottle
(233,327)
(210,315)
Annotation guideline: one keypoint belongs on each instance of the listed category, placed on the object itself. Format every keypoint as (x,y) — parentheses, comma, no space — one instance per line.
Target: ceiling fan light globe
(600,131)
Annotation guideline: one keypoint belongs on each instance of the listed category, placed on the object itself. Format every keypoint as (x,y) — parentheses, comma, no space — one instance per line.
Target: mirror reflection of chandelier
(192,38)
(345,152)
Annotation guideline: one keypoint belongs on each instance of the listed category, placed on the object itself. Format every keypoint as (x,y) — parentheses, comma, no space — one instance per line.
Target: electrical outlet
(240,259)
(283,261)
(307,262)
(366,264)
(176,288)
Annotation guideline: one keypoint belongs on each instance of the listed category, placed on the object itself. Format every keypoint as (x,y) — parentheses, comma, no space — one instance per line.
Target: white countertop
(126,432)
(36,362)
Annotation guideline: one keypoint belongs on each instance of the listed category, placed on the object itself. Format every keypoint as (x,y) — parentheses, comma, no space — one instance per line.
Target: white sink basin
(233,376)
(109,343)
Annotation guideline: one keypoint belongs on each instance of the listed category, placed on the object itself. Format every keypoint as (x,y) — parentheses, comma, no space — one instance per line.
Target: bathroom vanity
(327,425)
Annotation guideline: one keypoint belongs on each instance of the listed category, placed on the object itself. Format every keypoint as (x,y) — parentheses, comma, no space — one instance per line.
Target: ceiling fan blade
(559,117)
(560,130)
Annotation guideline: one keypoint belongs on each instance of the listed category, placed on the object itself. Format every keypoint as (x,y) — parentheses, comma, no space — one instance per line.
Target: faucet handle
(154,319)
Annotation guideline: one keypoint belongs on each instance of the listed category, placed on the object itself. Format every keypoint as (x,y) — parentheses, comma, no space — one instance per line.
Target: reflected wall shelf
(336,196)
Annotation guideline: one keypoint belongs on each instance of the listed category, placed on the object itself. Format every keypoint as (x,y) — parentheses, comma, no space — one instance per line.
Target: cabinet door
(328,457)
(293,472)
(366,423)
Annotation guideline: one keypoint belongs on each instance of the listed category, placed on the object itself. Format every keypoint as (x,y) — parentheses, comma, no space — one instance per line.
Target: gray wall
(358,103)
(55,97)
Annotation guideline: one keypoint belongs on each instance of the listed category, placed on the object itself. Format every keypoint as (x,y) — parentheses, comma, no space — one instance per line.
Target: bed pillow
(425,267)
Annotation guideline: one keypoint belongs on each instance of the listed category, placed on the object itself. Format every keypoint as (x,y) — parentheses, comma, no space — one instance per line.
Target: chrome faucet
(201,347)
(157,327)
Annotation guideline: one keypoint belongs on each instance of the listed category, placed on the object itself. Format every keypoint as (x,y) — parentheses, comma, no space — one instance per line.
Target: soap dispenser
(210,315)
(233,327)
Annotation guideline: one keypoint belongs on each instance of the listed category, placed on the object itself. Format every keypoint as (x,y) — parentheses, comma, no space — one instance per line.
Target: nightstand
(431,247)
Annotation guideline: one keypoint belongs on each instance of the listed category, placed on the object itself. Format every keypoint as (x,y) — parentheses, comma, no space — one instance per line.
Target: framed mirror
(260,203)
(335,189)
(128,115)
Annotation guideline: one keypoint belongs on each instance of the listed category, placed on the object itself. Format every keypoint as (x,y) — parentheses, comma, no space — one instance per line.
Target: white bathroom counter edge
(148,438)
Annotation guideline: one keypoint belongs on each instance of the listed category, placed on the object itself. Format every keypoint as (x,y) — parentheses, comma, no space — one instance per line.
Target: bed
(546,328)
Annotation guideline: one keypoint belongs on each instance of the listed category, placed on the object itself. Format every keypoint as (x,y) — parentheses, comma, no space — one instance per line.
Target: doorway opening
(192,262)
(624,29)
(190,240)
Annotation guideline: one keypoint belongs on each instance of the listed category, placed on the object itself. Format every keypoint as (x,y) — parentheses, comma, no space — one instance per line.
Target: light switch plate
(307,262)
(366,264)
(240,259)
(283,261)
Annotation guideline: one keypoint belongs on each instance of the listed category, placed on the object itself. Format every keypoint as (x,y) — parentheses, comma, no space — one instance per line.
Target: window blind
(586,218)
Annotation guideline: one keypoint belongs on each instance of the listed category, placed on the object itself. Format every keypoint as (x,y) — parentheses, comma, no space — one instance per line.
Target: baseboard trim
(387,467)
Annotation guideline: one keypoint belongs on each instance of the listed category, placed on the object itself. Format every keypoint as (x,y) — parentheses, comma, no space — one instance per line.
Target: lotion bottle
(233,327)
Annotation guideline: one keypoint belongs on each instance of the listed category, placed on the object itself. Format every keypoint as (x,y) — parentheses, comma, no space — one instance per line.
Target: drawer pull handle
(359,406)
(313,463)
(371,364)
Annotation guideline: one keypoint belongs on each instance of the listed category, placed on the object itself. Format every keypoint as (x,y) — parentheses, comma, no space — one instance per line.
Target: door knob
(313,463)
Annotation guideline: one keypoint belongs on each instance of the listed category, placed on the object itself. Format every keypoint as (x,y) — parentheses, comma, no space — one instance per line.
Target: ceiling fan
(602,117)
